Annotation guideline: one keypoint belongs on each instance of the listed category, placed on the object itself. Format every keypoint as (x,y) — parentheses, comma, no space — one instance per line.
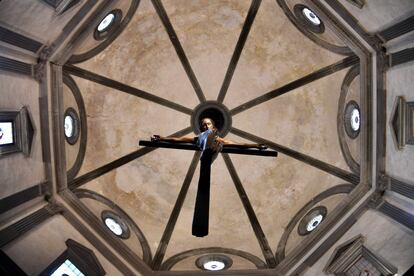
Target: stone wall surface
(384,237)
(18,171)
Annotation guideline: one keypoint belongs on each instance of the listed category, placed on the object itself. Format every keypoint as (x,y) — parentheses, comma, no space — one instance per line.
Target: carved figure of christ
(210,144)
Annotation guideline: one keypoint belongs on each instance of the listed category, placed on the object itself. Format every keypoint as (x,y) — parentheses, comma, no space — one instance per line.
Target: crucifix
(210,144)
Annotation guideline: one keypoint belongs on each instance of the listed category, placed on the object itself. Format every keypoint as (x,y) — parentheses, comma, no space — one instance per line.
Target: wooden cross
(201,209)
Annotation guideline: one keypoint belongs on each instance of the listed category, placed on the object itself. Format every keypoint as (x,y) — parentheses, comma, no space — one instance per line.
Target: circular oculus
(106,22)
(214,262)
(71,125)
(113,226)
(116,224)
(352,119)
(311,16)
(312,220)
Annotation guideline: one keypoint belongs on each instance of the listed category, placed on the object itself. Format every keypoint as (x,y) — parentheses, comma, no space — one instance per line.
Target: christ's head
(207,123)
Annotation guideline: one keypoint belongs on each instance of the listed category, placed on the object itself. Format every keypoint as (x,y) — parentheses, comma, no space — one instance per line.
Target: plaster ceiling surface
(304,119)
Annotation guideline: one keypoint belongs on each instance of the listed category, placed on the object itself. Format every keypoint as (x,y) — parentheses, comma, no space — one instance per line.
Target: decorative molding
(15,66)
(24,225)
(335,236)
(402,188)
(402,123)
(80,256)
(71,84)
(39,69)
(381,103)
(358,3)
(235,272)
(261,237)
(105,251)
(23,131)
(97,225)
(169,228)
(401,57)
(59,54)
(397,214)
(178,48)
(339,189)
(372,40)
(251,15)
(347,254)
(146,250)
(93,22)
(172,261)
(401,28)
(342,50)
(58,131)
(19,40)
(21,197)
(349,78)
(323,72)
(61,6)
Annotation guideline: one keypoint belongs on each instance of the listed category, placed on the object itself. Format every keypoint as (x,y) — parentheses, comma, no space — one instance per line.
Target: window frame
(23,131)
(82,257)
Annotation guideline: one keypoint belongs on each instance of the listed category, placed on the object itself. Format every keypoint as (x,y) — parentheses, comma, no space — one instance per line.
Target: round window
(308,18)
(214,262)
(312,220)
(214,265)
(115,224)
(352,119)
(108,24)
(311,16)
(71,125)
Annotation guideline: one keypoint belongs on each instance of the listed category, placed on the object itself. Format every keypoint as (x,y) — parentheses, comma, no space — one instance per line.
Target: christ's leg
(201,210)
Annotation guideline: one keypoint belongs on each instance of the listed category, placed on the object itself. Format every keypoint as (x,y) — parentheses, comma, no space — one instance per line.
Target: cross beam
(226,148)
(202,204)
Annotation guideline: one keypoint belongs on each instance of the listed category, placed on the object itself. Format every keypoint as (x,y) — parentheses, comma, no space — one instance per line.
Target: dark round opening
(215,111)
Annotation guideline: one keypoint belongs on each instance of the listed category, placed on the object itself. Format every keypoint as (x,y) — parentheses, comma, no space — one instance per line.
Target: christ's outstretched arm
(184,139)
(241,145)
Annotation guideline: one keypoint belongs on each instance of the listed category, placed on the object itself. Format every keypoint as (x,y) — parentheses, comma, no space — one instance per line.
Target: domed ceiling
(284,83)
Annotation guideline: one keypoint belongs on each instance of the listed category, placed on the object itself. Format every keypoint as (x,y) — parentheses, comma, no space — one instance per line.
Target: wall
(384,237)
(18,91)
(34,251)
(34,18)
(379,14)
(399,163)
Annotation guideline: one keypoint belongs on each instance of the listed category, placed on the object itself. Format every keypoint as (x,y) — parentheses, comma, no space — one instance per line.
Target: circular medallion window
(308,18)
(71,125)
(109,23)
(352,119)
(115,224)
(312,220)
(214,262)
